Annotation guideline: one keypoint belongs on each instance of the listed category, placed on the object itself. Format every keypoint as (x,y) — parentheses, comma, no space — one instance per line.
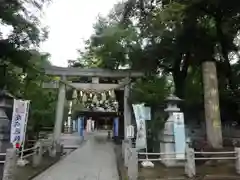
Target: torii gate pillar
(59,117)
(127,110)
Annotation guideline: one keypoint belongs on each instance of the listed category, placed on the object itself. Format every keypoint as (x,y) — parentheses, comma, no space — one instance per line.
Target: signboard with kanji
(179,134)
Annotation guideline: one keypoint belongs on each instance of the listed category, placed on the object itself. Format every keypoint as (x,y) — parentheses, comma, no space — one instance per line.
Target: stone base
(57,150)
(22,162)
(169,147)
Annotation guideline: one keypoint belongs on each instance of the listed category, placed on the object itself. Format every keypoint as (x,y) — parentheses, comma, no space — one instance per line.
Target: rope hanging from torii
(106,100)
(97,96)
(91,98)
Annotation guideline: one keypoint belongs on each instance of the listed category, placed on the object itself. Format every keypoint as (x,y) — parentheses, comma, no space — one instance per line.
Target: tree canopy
(172,38)
(20,30)
(21,62)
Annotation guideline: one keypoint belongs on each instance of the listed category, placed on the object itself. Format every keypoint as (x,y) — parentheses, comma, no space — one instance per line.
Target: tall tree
(20,30)
(176,37)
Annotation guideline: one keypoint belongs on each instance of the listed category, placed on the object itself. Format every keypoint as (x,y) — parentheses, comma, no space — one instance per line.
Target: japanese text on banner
(19,117)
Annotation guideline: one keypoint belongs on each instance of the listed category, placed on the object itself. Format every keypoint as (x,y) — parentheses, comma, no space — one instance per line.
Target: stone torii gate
(95,74)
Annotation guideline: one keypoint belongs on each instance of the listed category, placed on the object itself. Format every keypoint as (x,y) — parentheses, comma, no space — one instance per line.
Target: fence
(14,158)
(131,159)
(43,144)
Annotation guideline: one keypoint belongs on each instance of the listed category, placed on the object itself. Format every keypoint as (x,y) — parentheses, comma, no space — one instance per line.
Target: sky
(70,22)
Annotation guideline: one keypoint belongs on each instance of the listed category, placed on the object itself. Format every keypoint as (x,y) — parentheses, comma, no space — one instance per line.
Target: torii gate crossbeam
(91,72)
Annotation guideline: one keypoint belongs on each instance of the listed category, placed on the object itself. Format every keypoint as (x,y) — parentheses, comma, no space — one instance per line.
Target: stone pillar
(10,165)
(190,168)
(237,150)
(126,147)
(59,116)
(123,149)
(126,153)
(133,165)
(127,109)
(37,157)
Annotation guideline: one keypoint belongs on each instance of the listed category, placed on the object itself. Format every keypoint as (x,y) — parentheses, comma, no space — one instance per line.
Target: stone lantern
(167,139)
(172,104)
(6,101)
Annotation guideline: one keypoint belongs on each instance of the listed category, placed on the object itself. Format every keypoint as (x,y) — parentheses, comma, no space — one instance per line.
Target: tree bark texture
(211,105)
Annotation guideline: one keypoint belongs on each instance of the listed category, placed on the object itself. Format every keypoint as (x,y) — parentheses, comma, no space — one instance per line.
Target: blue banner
(81,126)
(116,126)
(82,131)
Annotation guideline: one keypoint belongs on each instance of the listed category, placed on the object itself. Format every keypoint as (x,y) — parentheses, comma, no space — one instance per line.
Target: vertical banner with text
(116,126)
(141,142)
(80,125)
(89,125)
(19,121)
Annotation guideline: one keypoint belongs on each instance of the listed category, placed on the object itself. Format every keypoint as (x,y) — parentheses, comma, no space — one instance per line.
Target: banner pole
(25,129)
(146,140)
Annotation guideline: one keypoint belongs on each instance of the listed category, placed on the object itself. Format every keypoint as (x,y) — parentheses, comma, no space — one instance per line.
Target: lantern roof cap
(173,98)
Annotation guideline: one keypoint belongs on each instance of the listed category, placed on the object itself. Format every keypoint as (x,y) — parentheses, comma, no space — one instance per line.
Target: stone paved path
(71,140)
(95,160)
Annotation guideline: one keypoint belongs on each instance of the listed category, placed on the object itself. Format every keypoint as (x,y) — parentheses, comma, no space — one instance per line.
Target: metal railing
(131,158)
(196,158)
(216,153)
(41,146)
(22,156)
(157,159)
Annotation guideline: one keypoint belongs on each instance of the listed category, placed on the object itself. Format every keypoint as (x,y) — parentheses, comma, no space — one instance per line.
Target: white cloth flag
(89,125)
(141,126)
(19,121)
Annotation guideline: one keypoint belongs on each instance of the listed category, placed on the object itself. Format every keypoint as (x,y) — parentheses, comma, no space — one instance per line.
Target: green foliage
(109,46)
(155,126)
(194,88)
(174,38)
(20,30)
(43,101)
(20,62)
(151,91)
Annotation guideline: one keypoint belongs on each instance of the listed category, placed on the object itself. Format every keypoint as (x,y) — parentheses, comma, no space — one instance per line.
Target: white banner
(141,141)
(93,125)
(141,126)
(137,110)
(89,125)
(147,113)
(19,121)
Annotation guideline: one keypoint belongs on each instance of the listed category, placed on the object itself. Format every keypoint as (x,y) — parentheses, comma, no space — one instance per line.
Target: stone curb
(216,177)
(175,178)
(119,164)
(206,177)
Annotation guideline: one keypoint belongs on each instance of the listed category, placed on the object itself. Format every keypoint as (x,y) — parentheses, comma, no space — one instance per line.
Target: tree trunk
(211,104)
